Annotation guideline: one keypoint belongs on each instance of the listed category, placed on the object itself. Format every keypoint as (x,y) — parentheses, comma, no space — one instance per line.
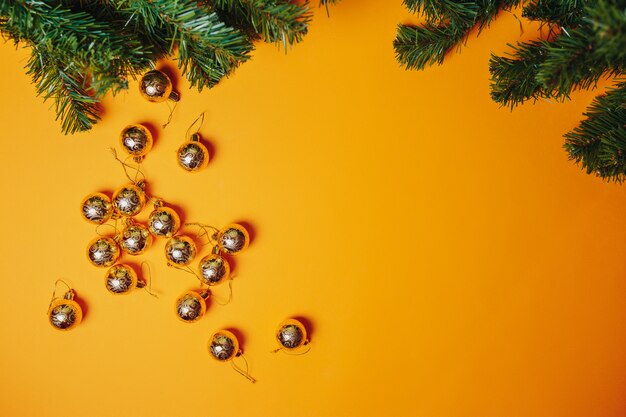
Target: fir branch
(448,23)
(513,78)
(208,49)
(419,46)
(563,13)
(274,21)
(76,108)
(598,144)
(444,11)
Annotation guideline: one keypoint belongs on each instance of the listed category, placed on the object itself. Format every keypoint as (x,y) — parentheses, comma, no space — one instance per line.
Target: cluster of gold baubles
(163,222)
(135,238)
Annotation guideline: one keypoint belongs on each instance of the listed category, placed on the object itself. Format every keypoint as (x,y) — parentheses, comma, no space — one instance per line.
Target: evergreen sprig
(586,42)
(81,51)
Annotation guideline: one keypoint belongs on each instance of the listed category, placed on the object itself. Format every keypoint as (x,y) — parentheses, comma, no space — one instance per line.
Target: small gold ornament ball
(136,140)
(291,334)
(103,252)
(233,239)
(192,156)
(96,208)
(156,87)
(129,200)
(120,279)
(223,346)
(180,250)
(163,222)
(190,307)
(136,238)
(65,314)
(214,269)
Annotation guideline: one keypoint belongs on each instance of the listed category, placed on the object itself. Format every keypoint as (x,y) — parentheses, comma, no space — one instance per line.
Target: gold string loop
(148,287)
(201,118)
(126,166)
(54,292)
(241,371)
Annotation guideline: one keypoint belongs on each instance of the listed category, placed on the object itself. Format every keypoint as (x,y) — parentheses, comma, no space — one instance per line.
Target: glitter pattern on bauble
(120,279)
(65,314)
(291,334)
(129,200)
(190,307)
(233,239)
(163,222)
(180,250)
(214,269)
(136,140)
(223,346)
(103,252)
(96,208)
(192,156)
(136,238)
(155,86)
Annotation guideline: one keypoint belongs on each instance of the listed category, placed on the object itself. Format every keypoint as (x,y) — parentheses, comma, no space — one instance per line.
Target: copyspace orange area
(450,260)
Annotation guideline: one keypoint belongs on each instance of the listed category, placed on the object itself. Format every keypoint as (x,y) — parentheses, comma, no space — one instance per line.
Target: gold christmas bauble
(233,239)
(190,307)
(103,252)
(291,334)
(192,155)
(129,200)
(223,346)
(120,279)
(135,239)
(65,313)
(96,208)
(136,140)
(163,222)
(214,269)
(156,87)
(180,250)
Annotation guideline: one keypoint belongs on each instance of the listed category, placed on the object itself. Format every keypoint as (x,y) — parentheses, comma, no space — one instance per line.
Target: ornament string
(169,118)
(307,344)
(148,287)
(126,165)
(185,269)
(201,118)
(54,292)
(205,232)
(230,294)
(114,226)
(241,371)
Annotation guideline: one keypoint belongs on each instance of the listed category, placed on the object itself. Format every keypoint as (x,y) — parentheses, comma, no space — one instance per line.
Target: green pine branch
(82,50)
(74,106)
(448,23)
(514,77)
(273,21)
(420,46)
(598,144)
(563,13)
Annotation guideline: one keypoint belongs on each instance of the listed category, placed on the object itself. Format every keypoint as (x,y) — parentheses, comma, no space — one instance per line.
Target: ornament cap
(69,295)
(174,96)
(195,137)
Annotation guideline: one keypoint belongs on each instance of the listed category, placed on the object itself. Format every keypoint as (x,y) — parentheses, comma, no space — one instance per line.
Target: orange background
(450,259)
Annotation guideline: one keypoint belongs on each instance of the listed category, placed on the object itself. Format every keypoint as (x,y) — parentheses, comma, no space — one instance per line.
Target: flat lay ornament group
(133,238)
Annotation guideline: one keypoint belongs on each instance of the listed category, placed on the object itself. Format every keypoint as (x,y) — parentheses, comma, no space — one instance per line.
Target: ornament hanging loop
(69,294)
(195,136)
(126,165)
(212,237)
(230,294)
(146,284)
(306,343)
(241,371)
